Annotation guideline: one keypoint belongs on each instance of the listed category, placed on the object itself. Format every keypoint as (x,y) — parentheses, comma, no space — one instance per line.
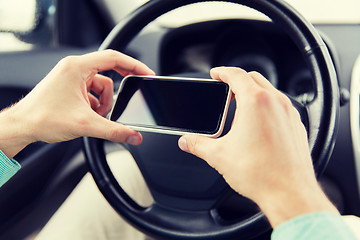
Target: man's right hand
(265,156)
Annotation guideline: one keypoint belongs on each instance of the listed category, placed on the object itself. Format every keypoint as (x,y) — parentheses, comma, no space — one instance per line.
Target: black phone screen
(173,104)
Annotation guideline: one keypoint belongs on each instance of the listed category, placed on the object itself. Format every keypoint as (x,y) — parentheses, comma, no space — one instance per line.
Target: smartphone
(172,105)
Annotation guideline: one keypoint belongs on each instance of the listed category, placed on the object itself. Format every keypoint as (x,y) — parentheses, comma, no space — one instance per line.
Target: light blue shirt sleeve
(314,226)
(8,168)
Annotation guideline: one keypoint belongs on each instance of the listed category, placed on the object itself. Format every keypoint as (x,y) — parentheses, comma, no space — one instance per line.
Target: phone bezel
(171,130)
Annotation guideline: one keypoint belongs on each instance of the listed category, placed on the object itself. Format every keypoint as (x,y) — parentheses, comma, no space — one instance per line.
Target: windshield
(316,11)
(19,28)
(329,11)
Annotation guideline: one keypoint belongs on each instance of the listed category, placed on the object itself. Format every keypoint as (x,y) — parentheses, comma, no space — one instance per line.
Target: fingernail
(133,140)
(183,144)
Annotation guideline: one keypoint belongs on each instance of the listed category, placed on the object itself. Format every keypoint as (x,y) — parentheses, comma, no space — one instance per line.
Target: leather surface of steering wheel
(187,193)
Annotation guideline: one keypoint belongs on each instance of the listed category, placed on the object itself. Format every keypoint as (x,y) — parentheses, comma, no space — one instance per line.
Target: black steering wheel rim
(321,113)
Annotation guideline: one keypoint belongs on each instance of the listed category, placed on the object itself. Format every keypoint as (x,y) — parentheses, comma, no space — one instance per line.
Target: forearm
(15,132)
(281,206)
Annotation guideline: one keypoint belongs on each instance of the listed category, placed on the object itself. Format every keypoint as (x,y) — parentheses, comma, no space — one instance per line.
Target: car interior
(314,60)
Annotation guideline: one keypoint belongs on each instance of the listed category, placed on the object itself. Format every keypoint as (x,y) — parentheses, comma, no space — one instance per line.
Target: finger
(197,145)
(94,102)
(126,73)
(111,59)
(238,79)
(263,82)
(297,123)
(105,129)
(103,86)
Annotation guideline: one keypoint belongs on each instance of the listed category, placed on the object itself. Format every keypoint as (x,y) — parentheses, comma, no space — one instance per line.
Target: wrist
(285,205)
(15,132)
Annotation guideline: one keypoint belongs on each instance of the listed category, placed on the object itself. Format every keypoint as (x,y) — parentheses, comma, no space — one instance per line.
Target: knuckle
(262,97)
(304,130)
(69,64)
(108,82)
(254,74)
(227,73)
(68,61)
(113,134)
(112,53)
(117,133)
(296,115)
(237,70)
(286,102)
(192,144)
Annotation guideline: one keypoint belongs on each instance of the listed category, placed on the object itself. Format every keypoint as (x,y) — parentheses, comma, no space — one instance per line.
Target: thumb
(113,131)
(197,145)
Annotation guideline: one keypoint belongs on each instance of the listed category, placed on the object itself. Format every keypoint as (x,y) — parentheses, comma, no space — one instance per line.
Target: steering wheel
(186,191)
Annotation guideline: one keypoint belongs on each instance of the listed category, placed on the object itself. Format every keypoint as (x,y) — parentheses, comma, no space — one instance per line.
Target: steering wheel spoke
(184,224)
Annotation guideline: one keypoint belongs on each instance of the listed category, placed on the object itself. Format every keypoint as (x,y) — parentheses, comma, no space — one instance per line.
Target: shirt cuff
(318,225)
(8,168)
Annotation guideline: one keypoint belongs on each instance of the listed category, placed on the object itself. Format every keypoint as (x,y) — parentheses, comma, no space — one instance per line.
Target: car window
(24,24)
